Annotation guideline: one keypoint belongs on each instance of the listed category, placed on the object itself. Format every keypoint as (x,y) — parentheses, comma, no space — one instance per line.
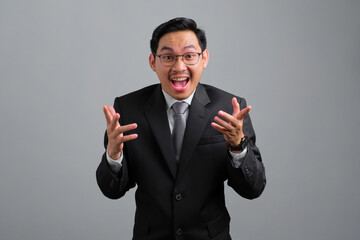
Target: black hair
(174,25)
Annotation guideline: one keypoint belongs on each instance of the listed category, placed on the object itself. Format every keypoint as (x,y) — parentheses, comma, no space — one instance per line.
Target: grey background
(296,62)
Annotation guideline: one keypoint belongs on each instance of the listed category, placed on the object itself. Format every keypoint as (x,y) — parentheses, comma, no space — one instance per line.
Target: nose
(179,64)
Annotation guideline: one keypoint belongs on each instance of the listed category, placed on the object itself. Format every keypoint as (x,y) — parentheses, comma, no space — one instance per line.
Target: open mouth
(180,83)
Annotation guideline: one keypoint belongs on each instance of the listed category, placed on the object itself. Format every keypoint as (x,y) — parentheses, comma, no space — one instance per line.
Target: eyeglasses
(190,58)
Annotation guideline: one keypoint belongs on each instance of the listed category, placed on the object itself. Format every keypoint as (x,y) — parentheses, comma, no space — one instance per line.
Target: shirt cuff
(115,165)
(237,159)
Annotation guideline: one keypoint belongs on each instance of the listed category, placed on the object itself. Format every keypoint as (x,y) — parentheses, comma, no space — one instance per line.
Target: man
(179,159)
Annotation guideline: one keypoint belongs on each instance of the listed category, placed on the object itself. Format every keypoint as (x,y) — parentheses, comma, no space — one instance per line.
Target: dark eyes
(172,57)
(190,58)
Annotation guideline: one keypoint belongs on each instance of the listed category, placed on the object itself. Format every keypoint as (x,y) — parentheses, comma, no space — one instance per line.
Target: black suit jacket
(185,200)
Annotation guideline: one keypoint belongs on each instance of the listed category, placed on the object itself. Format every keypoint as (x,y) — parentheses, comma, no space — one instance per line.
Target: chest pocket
(212,139)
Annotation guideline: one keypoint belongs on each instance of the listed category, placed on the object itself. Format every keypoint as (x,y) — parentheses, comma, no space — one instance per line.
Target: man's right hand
(115,132)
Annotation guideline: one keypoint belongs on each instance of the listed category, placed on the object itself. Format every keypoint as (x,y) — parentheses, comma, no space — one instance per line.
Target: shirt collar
(170,100)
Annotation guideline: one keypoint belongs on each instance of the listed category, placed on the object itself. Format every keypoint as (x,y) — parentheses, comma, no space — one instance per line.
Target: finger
(227,117)
(223,123)
(243,112)
(107,114)
(236,106)
(124,139)
(114,122)
(124,129)
(219,128)
(112,110)
(130,137)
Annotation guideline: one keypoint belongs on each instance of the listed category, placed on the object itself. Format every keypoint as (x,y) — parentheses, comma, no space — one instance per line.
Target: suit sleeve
(113,185)
(249,180)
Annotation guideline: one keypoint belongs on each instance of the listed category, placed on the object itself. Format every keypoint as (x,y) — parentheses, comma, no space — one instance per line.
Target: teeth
(179,79)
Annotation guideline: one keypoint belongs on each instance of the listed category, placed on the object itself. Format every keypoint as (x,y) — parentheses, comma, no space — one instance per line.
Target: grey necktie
(179,126)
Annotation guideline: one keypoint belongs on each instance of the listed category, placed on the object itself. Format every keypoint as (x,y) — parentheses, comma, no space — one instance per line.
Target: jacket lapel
(196,123)
(155,112)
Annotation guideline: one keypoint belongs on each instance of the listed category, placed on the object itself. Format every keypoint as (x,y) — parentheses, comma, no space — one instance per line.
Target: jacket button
(178,197)
(179,232)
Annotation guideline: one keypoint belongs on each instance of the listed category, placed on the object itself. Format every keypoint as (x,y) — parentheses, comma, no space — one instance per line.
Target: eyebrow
(190,46)
(171,49)
(166,48)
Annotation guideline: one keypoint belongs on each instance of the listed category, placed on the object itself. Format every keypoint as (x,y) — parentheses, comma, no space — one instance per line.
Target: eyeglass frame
(176,57)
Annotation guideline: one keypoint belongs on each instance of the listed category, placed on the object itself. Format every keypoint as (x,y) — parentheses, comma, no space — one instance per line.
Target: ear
(152,61)
(205,57)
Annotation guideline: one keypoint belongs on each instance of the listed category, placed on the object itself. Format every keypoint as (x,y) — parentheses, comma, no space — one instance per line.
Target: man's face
(179,80)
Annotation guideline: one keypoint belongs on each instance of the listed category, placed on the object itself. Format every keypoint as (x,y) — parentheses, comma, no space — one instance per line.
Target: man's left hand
(231,125)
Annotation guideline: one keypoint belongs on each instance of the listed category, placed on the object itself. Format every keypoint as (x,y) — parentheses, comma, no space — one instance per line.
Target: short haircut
(174,25)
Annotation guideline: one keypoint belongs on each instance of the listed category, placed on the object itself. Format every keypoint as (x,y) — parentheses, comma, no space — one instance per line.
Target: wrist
(114,156)
(239,147)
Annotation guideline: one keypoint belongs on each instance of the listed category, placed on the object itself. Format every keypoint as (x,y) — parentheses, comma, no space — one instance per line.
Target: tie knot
(180,107)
